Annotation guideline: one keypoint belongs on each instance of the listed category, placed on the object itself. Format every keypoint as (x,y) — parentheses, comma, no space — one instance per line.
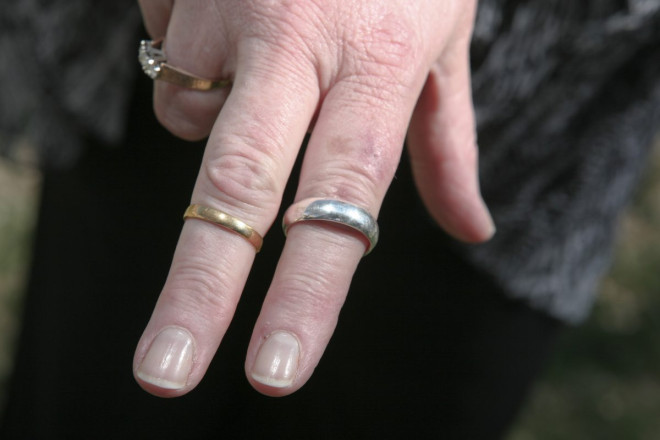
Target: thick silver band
(333,211)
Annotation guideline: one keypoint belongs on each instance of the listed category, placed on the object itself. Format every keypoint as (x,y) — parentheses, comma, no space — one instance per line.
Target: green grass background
(19,190)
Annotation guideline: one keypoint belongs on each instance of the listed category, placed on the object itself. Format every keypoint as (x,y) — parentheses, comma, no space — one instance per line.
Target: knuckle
(287,26)
(245,177)
(385,50)
(357,171)
(349,182)
(391,44)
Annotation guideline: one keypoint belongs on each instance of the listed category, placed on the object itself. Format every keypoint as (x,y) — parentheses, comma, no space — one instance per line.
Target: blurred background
(603,381)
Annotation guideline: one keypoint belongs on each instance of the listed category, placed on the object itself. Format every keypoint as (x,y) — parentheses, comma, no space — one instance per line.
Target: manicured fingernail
(277,360)
(169,359)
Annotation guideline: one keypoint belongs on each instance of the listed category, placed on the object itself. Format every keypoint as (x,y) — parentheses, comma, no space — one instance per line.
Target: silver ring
(333,211)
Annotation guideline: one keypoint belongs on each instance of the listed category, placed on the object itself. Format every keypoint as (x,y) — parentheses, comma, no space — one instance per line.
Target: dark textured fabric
(567,96)
(65,74)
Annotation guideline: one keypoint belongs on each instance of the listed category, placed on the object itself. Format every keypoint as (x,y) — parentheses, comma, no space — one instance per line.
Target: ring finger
(184,111)
(351,158)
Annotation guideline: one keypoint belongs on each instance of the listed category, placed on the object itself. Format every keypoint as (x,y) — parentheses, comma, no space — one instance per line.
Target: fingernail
(169,359)
(489,228)
(277,360)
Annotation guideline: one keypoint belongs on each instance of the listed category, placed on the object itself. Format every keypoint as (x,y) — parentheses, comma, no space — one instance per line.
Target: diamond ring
(154,64)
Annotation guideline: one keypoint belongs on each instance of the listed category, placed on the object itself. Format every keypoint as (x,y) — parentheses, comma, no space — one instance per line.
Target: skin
(361,76)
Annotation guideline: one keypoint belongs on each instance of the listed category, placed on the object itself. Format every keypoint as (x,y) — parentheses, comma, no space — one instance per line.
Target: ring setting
(334,211)
(153,60)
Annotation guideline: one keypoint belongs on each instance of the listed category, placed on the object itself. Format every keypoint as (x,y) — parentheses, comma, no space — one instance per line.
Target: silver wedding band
(333,211)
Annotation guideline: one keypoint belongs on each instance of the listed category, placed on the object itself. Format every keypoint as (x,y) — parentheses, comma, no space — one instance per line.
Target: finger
(301,308)
(248,158)
(187,113)
(156,16)
(352,156)
(443,151)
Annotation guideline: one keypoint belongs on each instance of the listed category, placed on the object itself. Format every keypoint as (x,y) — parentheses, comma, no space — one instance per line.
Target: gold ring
(154,64)
(225,221)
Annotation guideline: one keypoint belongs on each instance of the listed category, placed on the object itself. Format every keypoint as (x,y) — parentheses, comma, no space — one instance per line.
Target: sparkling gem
(151,59)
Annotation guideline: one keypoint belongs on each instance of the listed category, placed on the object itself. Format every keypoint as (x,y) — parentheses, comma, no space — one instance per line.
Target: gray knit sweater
(567,95)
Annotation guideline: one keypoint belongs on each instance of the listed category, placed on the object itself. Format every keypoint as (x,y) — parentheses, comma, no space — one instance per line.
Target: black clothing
(424,347)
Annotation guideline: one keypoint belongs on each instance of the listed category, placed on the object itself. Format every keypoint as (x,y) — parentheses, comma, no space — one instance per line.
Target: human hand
(349,71)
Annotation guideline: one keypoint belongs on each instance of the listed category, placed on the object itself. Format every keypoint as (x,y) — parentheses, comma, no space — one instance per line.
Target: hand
(359,70)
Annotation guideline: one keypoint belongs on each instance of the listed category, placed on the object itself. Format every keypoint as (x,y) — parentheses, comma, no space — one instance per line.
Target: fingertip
(485,232)
(272,390)
(467,220)
(450,190)
(156,390)
(479,228)
(165,367)
(274,369)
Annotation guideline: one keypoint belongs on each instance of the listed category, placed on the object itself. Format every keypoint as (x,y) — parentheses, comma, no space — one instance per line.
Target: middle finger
(247,161)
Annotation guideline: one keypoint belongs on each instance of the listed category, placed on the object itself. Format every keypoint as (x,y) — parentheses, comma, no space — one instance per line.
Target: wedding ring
(225,221)
(154,64)
(333,211)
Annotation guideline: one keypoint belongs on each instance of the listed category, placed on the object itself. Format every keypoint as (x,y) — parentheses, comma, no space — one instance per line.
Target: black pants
(425,346)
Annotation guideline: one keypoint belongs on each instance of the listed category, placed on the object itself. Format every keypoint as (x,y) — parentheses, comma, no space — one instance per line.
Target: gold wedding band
(225,221)
(154,64)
